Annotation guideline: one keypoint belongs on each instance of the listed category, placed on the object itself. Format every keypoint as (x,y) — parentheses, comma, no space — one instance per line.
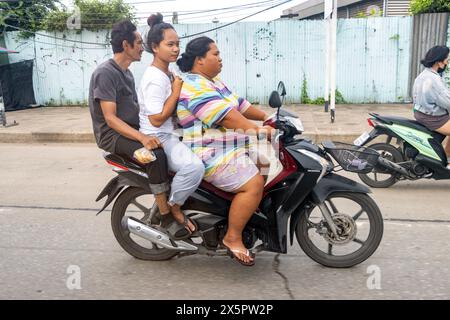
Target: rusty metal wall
(62,69)
(429,29)
(447,73)
(372,59)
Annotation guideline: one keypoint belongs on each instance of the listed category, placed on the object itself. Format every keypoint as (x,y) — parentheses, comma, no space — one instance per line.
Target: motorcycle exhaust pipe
(392,167)
(155,236)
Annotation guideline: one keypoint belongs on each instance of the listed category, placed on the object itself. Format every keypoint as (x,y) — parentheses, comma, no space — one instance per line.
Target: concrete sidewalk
(73,124)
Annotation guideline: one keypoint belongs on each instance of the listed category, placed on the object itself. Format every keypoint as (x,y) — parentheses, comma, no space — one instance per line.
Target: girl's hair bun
(154,19)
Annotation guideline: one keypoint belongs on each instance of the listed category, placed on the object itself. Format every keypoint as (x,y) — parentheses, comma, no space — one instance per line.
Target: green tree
(429,6)
(51,15)
(304,98)
(371,14)
(94,15)
(25,14)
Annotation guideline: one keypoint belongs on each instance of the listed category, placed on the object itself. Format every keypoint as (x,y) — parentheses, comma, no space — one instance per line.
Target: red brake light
(369,120)
(117,165)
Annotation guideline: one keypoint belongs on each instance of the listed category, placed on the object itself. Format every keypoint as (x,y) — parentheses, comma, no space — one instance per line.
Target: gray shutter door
(397,7)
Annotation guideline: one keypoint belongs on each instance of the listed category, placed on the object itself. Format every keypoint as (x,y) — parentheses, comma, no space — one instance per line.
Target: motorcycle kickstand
(258,248)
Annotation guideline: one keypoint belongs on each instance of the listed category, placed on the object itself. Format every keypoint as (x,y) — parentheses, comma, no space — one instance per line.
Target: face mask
(441,70)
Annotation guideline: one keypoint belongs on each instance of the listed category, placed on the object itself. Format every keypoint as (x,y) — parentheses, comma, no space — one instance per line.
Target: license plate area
(361,139)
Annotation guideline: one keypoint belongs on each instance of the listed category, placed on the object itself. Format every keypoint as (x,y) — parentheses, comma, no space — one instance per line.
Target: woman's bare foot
(239,250)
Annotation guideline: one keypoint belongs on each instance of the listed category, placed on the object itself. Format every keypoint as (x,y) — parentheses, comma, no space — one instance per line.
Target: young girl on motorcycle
(431,95)
(158,96)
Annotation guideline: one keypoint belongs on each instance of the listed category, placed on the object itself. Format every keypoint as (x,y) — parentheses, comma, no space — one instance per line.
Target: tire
(394,156)
(362,253)
(123,236)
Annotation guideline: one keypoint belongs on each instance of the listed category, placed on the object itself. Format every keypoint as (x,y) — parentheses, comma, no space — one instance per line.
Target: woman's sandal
(233,253)
(176,230)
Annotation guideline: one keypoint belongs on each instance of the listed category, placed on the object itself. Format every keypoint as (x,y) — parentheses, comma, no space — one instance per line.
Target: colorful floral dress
(202,105)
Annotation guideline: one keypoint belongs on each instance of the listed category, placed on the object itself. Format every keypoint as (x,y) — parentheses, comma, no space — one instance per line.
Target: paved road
(49,234)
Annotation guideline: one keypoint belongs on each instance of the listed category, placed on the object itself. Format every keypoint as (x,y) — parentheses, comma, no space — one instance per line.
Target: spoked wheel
(139,204)
(378,178)
(359,230)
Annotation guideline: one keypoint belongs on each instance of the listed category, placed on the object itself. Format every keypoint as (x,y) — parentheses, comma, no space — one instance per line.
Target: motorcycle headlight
(297,123)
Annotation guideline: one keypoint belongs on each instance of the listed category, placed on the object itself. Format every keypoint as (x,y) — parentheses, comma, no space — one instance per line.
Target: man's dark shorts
(157,170)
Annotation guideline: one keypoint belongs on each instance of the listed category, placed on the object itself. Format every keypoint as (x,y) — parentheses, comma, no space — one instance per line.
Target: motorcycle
(335,221)
(417,152)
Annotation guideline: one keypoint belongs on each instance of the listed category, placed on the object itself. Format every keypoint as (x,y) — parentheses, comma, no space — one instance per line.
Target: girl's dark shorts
(431,122)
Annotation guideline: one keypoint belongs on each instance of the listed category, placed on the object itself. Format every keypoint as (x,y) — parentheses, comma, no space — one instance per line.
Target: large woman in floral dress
(206,109)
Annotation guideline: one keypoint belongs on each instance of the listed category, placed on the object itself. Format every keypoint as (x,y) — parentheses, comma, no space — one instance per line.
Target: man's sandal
(176,230)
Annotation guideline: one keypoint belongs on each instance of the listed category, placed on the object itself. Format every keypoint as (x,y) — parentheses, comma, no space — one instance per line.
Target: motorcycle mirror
(274,100)
(281,89)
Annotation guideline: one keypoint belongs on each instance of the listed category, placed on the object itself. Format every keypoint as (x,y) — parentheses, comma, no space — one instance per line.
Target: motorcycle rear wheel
(135,246)
(390,153)
(306,230)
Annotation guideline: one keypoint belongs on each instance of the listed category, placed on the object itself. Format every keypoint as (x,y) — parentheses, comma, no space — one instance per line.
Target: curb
(52,137)
(46,137)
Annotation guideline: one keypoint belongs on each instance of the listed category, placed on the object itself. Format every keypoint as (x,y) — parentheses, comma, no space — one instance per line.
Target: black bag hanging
(16,85)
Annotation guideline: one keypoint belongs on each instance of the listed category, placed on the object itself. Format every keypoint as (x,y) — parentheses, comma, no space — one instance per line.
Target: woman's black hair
(435,54)
(156,33)
(197,47)
(123,30)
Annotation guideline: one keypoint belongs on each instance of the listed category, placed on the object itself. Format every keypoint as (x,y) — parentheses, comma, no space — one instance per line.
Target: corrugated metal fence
(372,59)
(429,29)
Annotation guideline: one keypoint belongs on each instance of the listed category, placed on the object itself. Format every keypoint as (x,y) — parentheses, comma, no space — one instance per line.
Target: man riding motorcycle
(115,111)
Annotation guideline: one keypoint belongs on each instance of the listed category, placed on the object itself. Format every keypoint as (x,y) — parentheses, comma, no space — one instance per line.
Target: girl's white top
(154,89)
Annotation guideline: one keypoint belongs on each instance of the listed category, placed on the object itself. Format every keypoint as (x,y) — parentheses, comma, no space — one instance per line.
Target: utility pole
(175,18)
(3,123)
(327,15)
(330,15)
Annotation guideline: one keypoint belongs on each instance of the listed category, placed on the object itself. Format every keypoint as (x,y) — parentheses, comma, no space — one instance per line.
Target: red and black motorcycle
(335,221)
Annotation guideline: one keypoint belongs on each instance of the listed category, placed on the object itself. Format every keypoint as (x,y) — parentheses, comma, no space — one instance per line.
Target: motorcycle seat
(123,161)
(409,123)
(133,164)
(402,121)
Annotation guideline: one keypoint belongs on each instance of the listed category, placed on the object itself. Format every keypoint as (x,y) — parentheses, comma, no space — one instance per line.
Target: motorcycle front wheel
(359,230)
(137,203)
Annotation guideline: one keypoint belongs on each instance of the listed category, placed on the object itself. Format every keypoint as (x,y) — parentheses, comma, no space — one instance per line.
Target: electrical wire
(67,46)
(184,37)
(179,13)
(236,21)
(53,37)
(190,12)
(204,19)
(220,14)
(149,2)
